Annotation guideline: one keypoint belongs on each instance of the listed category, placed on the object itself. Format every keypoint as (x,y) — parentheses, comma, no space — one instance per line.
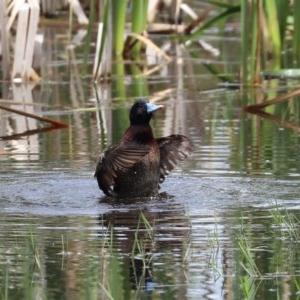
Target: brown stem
(42,119)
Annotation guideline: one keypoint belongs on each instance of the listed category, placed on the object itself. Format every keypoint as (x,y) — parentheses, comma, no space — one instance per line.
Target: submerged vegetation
(96,268)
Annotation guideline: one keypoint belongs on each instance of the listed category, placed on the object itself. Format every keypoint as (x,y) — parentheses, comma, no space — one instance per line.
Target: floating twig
(278,120)
(54,123)
(17,136)
(279,99)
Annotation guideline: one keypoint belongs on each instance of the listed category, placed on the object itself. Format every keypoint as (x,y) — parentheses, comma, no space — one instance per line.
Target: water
(225,225)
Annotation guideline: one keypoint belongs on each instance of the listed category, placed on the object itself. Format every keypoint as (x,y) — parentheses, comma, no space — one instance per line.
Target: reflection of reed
(103,116)
(78,99)
(178,113)
(23,98)
(257,109)
(18,124)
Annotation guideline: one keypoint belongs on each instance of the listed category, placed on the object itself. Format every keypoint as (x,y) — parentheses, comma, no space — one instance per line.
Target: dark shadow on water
(117,201)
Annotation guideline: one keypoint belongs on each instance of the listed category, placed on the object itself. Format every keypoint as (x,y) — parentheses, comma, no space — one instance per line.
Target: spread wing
(172,149)
(115,160)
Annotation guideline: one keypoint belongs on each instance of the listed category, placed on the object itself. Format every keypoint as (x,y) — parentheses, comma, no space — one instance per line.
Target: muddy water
(225,225)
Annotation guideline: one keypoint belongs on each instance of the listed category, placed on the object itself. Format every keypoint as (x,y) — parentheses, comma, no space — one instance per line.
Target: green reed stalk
(287,222)
(118,25)
(4,289)
(282,14)
(250,265)
(139,21)
(252,40)
(296,40)
(139,82)
(254,56)
(247,261)
(264,26)
(273,29)
(141,240)
(245,40)
(249,286)
(112,283)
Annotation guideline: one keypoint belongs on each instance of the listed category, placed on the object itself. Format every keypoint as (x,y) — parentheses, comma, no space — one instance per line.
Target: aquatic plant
(267,39)
(214,244)
(249,286)
(270,42)
(143,240)
(28,270)
(286,221)
(139,22)
(247,260)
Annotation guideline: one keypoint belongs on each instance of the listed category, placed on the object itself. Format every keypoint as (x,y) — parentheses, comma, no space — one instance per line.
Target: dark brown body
(141,180)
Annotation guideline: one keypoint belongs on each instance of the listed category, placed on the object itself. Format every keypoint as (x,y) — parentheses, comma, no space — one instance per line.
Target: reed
(35,252)
(248,263)
(251,35)
(4,287)
(247,260)
(28,263)
(249,286)
(139,22)
(214,244)
(271,13)
(142,241)
(118,11)
(287,222)
(269,40)
(296,34)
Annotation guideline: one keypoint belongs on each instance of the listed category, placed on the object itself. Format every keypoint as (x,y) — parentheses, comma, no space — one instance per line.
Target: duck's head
(141,112)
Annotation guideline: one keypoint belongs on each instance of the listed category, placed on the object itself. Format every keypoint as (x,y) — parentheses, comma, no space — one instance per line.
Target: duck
(140,163)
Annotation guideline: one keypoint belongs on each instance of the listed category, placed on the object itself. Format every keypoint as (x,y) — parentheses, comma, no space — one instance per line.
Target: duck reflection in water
(150,237)
(139,163)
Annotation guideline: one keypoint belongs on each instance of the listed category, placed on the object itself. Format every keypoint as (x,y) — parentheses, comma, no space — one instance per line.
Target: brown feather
(172,149)
(117,159)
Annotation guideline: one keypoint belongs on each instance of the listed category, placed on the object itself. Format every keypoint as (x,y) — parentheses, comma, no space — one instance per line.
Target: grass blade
(139,21)
(296,39)
(245,40)
(118,10)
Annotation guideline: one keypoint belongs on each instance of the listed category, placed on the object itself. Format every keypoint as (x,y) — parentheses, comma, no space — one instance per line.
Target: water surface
(61,238)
